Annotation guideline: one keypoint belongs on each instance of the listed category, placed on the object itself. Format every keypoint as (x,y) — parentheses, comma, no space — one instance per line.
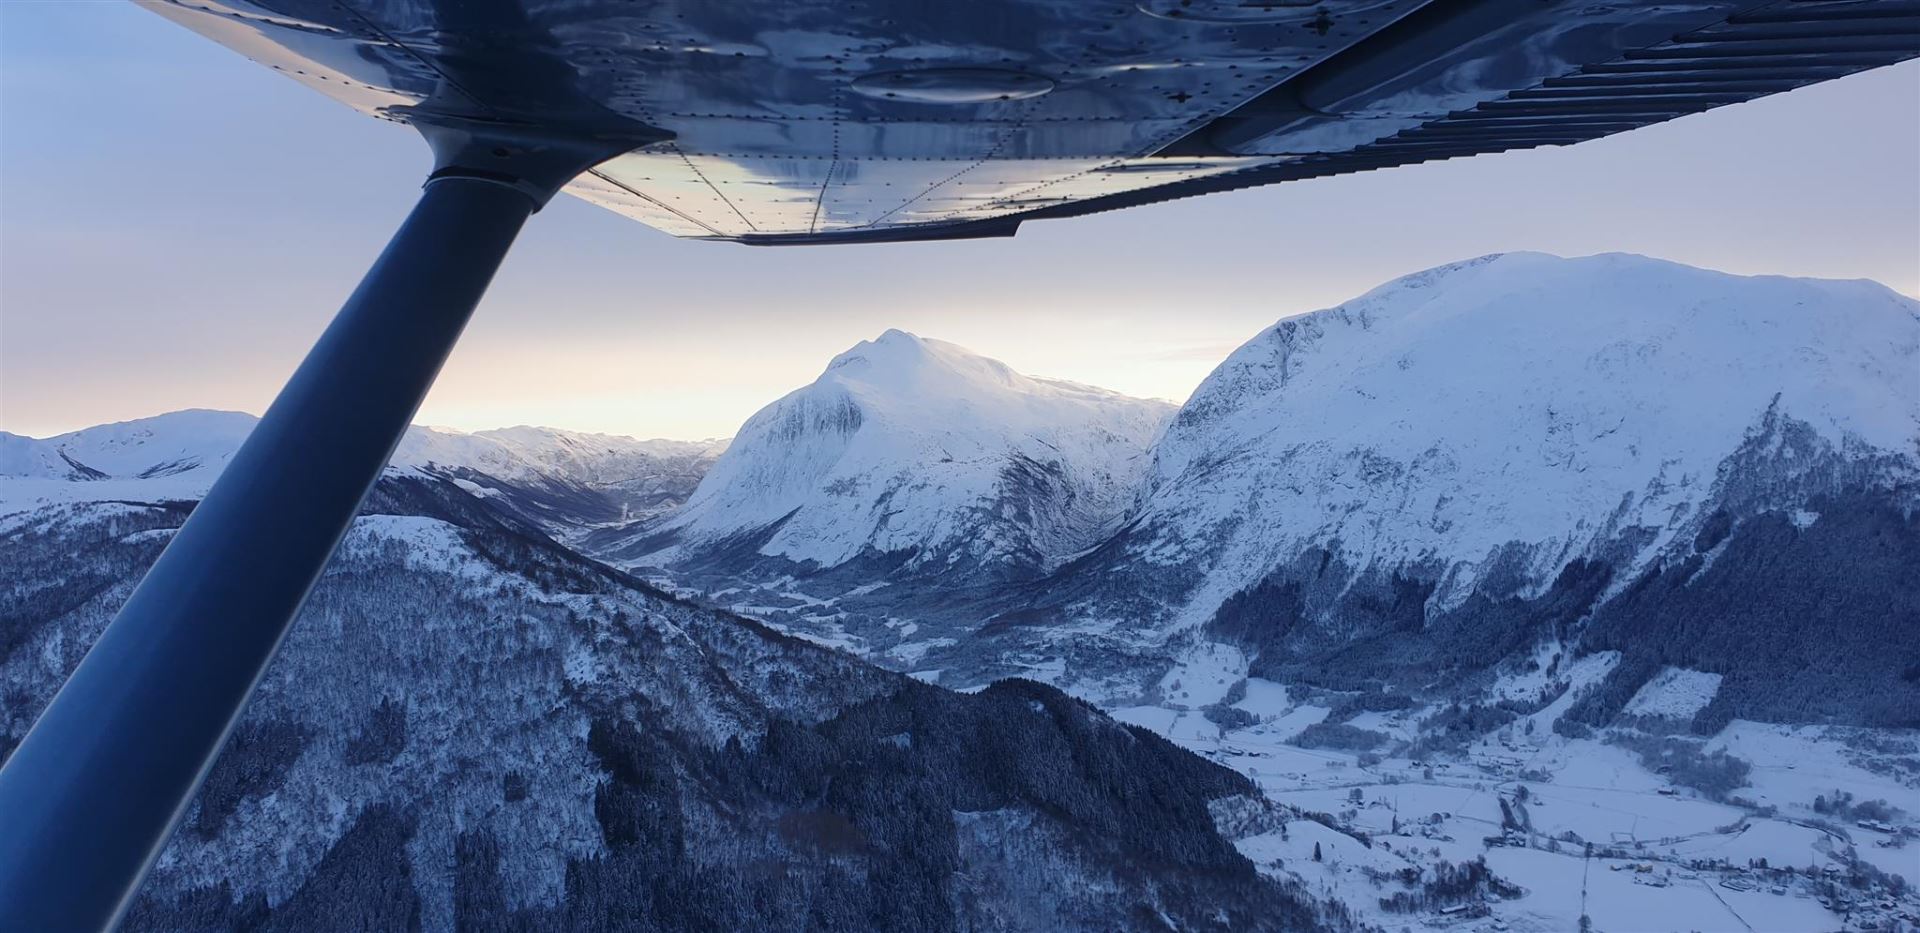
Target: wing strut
(95,789)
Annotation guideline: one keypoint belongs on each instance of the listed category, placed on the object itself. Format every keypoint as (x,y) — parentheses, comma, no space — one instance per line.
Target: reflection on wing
(825,121)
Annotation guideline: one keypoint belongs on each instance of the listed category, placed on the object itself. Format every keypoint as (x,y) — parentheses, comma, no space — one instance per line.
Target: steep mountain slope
(1518,398)
(1472,462)
(470,727)
(561,478)
(910,459)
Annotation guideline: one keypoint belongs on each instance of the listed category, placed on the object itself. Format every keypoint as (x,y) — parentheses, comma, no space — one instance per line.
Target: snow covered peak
(1533,321)
(899,369)
(894,347)
(163,445)
(909,361)
(524,452)
(1516,398)
(179,454)
(902,440)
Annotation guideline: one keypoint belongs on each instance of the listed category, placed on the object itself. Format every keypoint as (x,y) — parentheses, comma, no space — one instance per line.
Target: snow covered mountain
(1470,463)
(1516,400)
(913,458)
(521,452)
(558,477)
(471,727)
(1489,463)
(192,441)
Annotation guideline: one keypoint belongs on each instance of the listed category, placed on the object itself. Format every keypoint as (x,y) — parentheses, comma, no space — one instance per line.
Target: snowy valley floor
(1663,856)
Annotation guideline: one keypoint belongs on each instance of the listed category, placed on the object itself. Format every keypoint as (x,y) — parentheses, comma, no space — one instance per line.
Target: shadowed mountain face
(471,727)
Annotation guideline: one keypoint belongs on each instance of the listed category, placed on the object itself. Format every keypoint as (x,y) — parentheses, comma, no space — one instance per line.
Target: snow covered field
(1580,827)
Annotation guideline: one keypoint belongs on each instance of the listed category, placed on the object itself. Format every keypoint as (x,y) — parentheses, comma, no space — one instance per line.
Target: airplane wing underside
(865,120)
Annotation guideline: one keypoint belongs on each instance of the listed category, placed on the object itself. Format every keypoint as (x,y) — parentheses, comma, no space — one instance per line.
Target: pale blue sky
(177,224)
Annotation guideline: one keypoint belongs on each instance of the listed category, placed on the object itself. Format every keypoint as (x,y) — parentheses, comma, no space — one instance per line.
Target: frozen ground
(1594,832)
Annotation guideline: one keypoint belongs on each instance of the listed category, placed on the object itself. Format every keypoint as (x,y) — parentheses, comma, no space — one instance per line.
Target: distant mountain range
(1608,493)
(1485,464)
(561,478)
